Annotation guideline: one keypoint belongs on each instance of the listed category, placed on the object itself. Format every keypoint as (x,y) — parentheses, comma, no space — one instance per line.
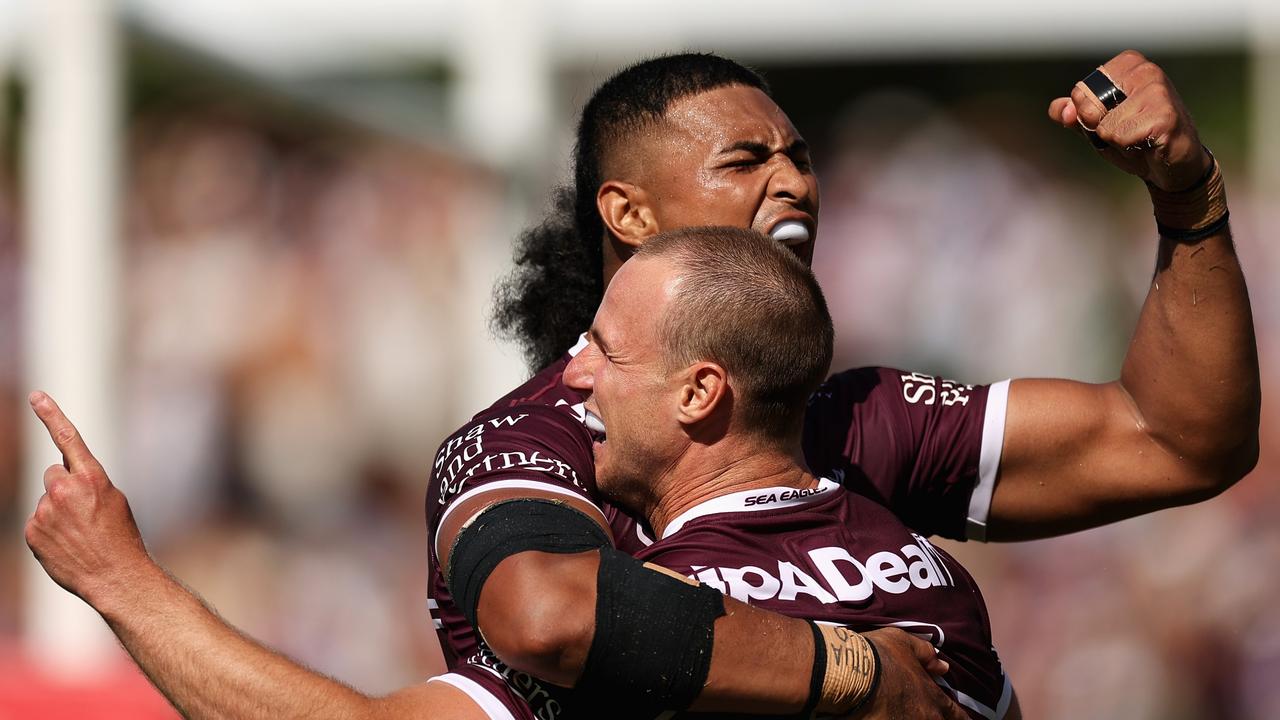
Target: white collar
(770,498)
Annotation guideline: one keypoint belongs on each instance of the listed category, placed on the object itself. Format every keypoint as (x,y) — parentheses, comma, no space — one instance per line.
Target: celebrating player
(695,139)
(703,422)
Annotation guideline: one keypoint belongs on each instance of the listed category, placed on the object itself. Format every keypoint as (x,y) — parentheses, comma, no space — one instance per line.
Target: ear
(626,212)
(704,393)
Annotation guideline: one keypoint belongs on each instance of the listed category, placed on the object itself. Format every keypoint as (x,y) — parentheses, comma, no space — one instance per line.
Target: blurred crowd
(289,316)
(291,336)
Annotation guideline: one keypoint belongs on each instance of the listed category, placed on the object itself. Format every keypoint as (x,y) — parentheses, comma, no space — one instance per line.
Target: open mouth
(790,232)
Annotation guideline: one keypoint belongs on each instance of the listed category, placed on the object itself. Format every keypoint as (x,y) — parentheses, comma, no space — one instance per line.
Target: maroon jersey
(826,554)
(926,448)
(836,556)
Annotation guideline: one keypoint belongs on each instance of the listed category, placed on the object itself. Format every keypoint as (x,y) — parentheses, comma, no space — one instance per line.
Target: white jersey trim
(996,713)
(582,343)
(988,461)
(507,485)
(783,497)
(478,693)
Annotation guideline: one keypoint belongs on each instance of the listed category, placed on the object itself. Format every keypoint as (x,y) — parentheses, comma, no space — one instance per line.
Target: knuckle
(1132,55)
(59,491)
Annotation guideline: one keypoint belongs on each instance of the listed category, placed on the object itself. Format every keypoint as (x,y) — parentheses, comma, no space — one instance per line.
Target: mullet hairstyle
(553,292)
(747,303)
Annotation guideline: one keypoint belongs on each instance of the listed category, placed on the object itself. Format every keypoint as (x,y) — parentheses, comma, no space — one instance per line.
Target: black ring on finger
(1106,91)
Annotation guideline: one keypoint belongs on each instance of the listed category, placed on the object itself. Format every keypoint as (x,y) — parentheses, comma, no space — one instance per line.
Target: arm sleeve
(927,448)
(520,447)
(501,451)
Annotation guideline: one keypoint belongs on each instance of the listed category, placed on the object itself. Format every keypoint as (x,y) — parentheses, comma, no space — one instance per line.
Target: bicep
(537,612)
(1078,455)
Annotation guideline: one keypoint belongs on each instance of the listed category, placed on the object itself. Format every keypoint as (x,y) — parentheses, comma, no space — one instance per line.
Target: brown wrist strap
(1194,213)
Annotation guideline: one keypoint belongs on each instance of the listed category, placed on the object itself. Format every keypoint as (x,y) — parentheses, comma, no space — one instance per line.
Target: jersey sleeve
(925,447)
(489,690)
(521,447)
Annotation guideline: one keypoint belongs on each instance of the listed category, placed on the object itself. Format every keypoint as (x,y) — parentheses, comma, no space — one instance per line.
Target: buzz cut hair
(748,304)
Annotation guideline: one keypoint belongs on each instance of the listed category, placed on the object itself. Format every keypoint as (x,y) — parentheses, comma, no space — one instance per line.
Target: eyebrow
(755,147)
(594,336)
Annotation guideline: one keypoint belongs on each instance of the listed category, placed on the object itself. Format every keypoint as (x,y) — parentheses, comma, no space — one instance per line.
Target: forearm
(1192,367)
(538,612)
(541,613)
(761,663)
(208,669)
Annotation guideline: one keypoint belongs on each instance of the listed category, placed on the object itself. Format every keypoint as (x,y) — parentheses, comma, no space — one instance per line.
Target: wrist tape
(846,670)
(1194,213)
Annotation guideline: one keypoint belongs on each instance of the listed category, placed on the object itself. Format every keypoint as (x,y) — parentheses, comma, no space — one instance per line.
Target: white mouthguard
(593,422)
(790,232)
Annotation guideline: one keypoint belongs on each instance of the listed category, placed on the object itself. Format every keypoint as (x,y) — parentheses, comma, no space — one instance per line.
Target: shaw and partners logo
(834,575)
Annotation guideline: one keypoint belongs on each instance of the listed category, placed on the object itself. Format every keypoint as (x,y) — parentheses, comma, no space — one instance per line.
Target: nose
(577,374)
(788,183)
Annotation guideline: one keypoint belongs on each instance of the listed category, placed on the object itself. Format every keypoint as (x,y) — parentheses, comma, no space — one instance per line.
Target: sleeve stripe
(478,693)
(988,461)
(514,484)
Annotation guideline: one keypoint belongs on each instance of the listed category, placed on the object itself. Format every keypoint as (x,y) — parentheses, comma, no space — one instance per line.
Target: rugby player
(694,139)
(724,489)
(703,421)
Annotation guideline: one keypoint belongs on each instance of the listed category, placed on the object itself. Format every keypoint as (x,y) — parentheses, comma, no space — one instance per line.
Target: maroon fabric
(837,556)
(908,441)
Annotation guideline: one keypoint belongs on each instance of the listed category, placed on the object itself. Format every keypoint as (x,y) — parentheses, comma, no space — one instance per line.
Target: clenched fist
(82,531)
(1150,134)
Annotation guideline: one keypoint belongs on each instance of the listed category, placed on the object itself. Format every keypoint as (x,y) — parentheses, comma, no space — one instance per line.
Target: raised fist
(1149,133)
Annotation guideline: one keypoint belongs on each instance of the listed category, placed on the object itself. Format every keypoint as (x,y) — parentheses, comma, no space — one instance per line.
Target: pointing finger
(75,453)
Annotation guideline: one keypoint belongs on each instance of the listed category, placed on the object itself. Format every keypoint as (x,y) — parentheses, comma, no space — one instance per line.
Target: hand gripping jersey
(925,448)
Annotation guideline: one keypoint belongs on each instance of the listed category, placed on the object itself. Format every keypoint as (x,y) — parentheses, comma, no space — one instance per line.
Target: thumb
(1063,112)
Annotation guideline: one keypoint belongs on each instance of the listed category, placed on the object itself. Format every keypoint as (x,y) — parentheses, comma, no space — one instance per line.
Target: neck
(704,473)
(615,252)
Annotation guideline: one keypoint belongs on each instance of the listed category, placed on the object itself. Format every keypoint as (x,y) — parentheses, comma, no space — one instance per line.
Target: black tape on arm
(653,639)
(512,527)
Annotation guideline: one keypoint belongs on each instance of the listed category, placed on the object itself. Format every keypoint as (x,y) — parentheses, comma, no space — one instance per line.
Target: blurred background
(250,248)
